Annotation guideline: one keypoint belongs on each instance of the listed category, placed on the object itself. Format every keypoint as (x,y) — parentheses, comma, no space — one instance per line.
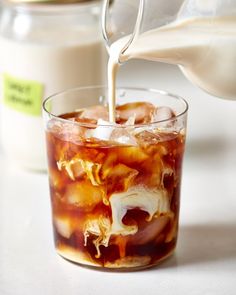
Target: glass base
(136,263)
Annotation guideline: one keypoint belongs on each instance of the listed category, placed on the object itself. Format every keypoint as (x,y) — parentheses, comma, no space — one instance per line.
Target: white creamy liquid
(204,48)
(56,67)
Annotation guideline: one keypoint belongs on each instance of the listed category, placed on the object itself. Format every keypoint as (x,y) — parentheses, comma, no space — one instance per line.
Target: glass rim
(94,125)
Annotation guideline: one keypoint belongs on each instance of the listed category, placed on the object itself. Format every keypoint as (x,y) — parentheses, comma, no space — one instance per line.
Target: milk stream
(205,50)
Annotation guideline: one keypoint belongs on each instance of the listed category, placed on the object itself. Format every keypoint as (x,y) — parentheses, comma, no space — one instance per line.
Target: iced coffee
(115,187)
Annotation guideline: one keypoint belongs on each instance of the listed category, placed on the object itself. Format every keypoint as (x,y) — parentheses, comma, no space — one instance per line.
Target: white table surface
(205,259)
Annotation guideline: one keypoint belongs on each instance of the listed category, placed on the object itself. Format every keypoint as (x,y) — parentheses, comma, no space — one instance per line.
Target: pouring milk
(203,47)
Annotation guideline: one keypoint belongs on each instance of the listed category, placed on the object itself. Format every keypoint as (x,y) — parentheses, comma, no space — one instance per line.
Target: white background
(204,262)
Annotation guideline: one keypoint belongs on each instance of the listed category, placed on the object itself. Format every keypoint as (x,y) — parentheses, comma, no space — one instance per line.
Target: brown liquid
(82,195)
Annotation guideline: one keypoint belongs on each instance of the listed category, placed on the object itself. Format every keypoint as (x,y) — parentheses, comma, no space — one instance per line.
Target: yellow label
(24,96)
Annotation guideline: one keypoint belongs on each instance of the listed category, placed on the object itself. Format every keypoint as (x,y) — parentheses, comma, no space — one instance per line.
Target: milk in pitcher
(205,50)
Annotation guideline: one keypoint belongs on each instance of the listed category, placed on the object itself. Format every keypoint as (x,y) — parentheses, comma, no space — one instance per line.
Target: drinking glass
(115,188)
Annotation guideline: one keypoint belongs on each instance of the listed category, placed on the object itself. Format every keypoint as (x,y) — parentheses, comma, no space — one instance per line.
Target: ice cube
(85,121)
(162,113)
(68,131)
(63,226)
(103,131)
(83,195)
(73,168)
(123,136)
(95,112)
(57,179)
(121,177)
(132,155)
(150,231)
(147,137)
(108,164)
(142,110)
(131,121)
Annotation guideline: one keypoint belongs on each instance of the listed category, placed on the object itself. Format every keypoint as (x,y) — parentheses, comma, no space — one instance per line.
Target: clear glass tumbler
(115,188)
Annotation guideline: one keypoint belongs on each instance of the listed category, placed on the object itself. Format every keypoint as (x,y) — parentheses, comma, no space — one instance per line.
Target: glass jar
(45,47)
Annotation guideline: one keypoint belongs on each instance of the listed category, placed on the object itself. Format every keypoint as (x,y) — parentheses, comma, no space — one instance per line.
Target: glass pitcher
(197,35)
